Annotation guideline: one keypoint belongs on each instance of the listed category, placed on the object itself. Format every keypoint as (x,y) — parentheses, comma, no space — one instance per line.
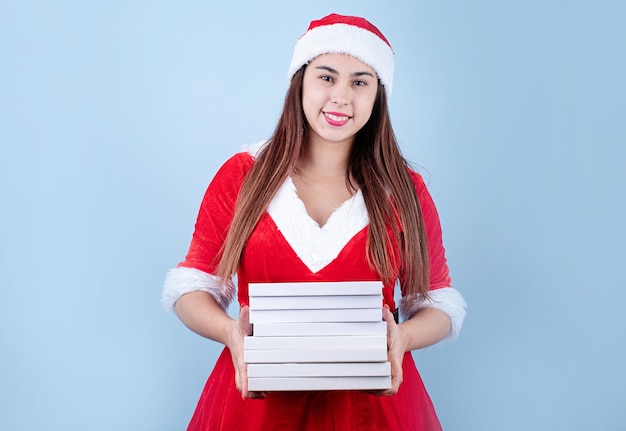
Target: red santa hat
(340,34)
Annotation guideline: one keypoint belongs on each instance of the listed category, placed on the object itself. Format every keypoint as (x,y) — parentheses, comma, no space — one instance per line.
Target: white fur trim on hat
(447,299)
(345,38)
(181,280)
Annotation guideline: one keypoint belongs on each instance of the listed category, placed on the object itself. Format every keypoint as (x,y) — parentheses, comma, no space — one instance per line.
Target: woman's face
(338,96)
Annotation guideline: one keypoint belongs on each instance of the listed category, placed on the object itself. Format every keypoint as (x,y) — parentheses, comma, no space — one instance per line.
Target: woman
(327,198)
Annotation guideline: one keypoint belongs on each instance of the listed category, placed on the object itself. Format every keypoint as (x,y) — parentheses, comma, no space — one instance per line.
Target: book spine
(314,355)
(328,342)
(318,383)
(345,315)
(319,329)
(315,302)
(315,288)
(332,369)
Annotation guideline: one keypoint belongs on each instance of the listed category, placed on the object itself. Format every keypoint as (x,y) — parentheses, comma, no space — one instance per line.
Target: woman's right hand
(241,328)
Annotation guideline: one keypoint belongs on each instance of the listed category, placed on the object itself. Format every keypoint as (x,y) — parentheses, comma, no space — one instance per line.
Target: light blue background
(115,115)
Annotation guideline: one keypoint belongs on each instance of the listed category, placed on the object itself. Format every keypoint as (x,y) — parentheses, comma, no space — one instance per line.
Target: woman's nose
(340,95)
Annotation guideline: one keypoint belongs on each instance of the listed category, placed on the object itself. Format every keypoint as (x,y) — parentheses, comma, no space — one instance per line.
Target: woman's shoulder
(418,180)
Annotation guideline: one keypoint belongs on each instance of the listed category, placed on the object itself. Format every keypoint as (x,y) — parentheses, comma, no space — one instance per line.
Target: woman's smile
(336,118)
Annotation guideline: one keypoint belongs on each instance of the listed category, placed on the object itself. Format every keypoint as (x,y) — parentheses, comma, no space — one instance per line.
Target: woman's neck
(324,160)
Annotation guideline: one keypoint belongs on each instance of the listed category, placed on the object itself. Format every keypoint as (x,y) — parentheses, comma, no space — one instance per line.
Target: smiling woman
(328,198)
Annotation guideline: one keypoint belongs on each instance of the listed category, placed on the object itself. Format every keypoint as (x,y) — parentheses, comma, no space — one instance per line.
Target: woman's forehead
(344,61)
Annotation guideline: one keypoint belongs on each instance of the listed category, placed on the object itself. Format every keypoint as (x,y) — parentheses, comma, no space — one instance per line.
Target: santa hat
(340,34)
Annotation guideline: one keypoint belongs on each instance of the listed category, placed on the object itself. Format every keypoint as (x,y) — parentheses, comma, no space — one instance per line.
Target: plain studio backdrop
(114,117)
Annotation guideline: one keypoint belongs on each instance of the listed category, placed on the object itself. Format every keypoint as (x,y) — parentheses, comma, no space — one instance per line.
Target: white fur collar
(316,246)
(254,148)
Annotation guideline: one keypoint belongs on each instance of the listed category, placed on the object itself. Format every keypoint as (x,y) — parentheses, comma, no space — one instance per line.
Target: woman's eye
(360,83)
(326,78)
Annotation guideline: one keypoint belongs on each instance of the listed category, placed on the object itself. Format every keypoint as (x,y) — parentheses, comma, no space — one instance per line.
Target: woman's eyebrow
(328,69)
(363,73)
(331,70)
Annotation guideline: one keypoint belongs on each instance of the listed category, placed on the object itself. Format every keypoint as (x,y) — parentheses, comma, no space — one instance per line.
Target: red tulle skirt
(221,408)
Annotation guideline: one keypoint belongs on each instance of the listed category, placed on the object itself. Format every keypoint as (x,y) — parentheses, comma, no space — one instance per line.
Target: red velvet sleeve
(216,212)
(439,272)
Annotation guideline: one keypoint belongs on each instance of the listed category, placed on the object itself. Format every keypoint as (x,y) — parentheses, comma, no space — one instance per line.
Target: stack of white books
(317,336)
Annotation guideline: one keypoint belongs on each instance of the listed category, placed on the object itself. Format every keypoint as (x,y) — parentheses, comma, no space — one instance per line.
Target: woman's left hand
(395,351)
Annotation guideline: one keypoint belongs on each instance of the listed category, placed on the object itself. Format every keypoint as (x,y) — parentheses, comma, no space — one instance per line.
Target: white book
(316,288)
(333,369)
(315,355)
(344,315)
(318,383)
(319,329)
(322,342)
(315,302)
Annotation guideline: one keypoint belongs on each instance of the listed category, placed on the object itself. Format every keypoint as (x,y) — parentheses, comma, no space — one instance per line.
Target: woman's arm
(201,313)
(427,327)
(204,316)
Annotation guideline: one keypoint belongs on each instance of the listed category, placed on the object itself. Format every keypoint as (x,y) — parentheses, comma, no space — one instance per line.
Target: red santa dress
(288,246)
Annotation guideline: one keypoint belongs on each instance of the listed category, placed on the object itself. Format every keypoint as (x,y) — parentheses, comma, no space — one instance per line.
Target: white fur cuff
(447,299)
(184,280)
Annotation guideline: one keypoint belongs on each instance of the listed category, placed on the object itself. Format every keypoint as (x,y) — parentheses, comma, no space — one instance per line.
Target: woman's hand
(241,327)
(396,348)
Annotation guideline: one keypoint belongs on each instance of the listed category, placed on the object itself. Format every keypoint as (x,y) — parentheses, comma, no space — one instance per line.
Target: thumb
(244,320)
(388,315)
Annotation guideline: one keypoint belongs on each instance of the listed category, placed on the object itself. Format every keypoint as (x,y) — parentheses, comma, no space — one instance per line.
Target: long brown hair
(378,168)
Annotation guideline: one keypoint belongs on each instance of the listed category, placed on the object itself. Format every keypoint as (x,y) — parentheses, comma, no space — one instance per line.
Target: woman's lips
(336,118)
